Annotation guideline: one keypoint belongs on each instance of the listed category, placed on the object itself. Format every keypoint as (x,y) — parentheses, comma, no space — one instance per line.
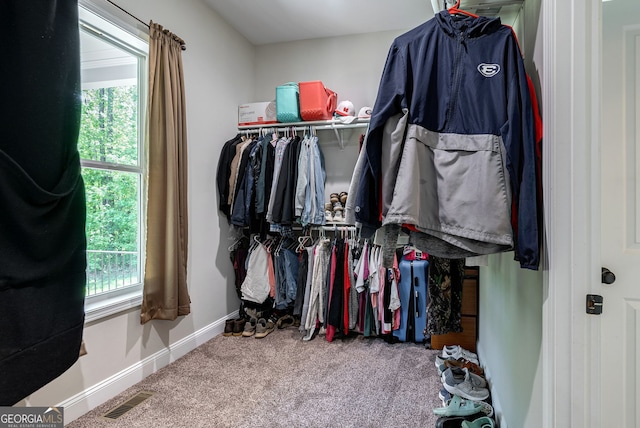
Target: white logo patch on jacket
(489,70)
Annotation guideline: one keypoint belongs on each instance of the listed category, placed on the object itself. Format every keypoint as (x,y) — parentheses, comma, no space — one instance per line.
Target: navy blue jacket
(463,76)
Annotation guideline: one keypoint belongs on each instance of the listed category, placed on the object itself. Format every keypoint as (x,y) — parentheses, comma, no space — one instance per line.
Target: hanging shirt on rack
(266,173)
(233,173)
(316,296)
(224,172)
(283,210)
(281,145)
(241,211)
(255,287)
(309,197)
(453,124)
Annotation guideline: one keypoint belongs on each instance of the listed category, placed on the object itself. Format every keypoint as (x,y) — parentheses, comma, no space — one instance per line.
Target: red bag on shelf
(316,101)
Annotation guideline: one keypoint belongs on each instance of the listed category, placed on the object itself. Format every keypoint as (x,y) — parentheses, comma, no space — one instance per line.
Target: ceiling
(275,21)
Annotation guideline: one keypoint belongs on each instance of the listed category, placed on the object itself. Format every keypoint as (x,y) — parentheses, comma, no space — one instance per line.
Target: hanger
(303,241)
(456,9)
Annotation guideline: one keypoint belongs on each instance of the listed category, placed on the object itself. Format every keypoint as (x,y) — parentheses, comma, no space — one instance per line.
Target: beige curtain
(165,294)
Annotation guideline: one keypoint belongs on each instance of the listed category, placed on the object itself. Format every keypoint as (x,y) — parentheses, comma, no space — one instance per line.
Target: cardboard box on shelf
(257,113)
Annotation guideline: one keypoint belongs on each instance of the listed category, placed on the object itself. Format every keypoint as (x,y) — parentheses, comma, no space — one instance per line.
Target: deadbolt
(608,277)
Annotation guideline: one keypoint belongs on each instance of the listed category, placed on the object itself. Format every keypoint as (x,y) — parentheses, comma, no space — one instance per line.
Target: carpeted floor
(281,381)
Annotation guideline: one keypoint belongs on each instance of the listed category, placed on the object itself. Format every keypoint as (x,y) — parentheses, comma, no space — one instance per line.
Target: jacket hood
(453,24)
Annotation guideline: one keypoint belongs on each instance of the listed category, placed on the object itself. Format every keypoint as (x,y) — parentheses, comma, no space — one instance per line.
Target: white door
(620,168)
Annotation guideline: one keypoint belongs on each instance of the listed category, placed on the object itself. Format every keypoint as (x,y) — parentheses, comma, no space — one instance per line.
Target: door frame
(571,175)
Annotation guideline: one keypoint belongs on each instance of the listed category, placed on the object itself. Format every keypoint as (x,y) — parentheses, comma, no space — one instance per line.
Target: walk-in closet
(422,260)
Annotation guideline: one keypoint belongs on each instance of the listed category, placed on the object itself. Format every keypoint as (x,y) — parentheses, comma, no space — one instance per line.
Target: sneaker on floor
(456,375)
(468,391)
(251,313)
(238,326)
(264,327)
(457,351)
(228,328)
(250,328)
(285,321)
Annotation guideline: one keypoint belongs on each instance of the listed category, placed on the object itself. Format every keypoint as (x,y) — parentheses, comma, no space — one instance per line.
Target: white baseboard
(101,392)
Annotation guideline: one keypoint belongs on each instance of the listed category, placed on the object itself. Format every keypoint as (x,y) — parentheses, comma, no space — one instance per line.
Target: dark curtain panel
(42,202)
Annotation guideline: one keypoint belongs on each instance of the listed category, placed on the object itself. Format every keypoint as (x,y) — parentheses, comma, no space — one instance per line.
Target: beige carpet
(281,381)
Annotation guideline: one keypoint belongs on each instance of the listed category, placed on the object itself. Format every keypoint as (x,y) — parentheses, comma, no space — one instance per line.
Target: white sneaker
(468,391)
(328,216)
(457,349)
(460,353)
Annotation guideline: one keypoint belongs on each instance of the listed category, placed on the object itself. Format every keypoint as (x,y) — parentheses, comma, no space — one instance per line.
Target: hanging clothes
(317,293)
(354,257)
(468,157)
(307,290)
(309,195)
(286,266)
(335,317)
(445,295)
(223,173)
(238,258)
(282,209)
(241,211)
(265,178)
(234,170)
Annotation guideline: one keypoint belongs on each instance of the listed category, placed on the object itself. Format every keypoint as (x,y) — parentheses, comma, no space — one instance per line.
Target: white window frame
(96,18)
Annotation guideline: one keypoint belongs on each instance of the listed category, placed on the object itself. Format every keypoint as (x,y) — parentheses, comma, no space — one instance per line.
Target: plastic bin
(316,101)
(288,103)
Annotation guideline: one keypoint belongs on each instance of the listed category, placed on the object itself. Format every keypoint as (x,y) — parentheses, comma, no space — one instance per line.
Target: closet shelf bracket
(340,134)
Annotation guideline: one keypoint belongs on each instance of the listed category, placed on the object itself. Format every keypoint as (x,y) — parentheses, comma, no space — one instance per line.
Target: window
(113,70)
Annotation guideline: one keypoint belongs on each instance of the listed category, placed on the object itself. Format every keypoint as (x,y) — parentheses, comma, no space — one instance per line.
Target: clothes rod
(323,124)
(337,227)
(301,128)
(330,228)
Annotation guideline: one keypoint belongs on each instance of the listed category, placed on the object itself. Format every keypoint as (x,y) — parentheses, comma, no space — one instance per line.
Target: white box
(257,113)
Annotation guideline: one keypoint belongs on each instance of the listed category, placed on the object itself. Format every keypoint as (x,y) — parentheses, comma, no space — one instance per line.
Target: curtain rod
(130,14)
(176,38)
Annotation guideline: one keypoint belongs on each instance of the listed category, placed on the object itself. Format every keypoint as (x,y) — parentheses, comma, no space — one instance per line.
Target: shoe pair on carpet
(464,390)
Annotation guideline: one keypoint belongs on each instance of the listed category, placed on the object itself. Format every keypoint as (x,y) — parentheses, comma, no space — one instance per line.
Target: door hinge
(594,304)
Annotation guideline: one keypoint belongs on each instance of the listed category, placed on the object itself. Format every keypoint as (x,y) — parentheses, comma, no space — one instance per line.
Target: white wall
(218,67)
(511,299)
(349,65)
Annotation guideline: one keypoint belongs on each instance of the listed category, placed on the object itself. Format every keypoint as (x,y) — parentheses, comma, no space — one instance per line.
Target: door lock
(594,304)
(608,277)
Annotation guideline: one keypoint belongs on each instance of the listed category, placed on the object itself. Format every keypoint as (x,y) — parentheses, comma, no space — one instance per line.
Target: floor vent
(127,405)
